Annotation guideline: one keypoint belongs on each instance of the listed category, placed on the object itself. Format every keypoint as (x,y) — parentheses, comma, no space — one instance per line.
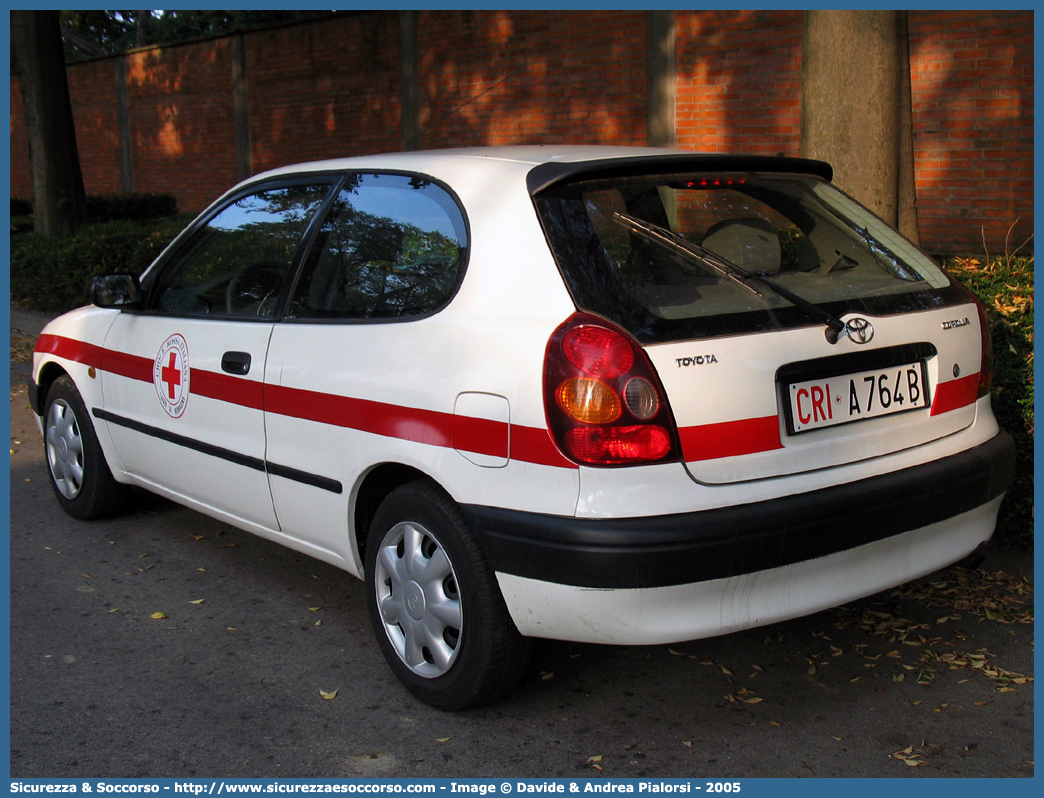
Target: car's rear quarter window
(391,247)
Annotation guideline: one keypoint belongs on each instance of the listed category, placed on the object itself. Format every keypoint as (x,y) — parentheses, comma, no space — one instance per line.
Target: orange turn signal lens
(589,401)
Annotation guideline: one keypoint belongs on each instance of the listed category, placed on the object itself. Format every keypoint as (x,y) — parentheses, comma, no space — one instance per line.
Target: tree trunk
(59,206)
(907,191)
(856,109)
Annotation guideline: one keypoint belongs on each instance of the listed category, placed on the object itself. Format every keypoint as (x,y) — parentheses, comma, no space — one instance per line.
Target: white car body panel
(701,402)
(67,333)
(458,396)
(609,493)
(654,616)
(241,492)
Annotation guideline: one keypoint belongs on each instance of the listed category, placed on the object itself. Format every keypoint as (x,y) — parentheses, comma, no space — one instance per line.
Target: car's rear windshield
(679,256)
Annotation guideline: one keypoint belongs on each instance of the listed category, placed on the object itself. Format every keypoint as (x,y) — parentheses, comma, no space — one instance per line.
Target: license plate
(827,402)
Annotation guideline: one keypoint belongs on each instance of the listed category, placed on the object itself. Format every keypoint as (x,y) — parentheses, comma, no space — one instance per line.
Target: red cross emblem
(170,375)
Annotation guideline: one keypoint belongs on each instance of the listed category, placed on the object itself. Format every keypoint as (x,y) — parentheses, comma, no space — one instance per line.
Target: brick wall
(21,183)
(182,136)
(335,87)
(94,108)
(972,81)
(504,77)
(738,83)
(323,90)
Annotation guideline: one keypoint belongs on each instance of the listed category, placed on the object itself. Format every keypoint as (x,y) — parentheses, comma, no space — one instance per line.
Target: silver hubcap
(418,599)
(64,449)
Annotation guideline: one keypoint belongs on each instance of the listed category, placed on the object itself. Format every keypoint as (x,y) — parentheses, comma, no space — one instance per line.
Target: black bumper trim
(693,547)
(33,390)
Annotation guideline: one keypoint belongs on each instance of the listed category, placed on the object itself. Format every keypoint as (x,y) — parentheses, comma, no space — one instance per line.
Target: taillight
(986,360)
(604,402)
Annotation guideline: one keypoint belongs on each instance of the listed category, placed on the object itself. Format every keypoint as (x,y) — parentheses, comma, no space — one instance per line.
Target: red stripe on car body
(225,388)
(528,444)
(955,394)
(531,445)
(730,438)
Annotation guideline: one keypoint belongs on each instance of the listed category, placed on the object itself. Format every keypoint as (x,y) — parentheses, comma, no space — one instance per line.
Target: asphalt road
(927,681)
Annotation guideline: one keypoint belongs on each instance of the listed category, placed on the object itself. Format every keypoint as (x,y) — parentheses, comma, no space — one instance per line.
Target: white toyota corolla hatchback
(597,394)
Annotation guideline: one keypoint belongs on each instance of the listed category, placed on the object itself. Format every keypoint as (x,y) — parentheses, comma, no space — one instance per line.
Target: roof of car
(549,164)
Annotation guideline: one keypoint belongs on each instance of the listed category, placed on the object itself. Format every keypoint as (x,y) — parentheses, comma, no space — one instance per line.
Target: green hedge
(1005,286)
(53,274)
(136,206)
(140,205)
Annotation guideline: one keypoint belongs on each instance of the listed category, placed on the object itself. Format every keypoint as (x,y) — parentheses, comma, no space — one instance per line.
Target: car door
(345,388)
(183,396)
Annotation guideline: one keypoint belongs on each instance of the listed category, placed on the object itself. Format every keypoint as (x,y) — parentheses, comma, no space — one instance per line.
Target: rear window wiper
(724,267)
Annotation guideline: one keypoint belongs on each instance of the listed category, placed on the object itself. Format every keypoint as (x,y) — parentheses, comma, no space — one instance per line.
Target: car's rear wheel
(79,474)
(435,605)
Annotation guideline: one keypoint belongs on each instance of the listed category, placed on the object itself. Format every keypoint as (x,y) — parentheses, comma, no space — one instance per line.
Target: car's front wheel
(79,474)
(435,605)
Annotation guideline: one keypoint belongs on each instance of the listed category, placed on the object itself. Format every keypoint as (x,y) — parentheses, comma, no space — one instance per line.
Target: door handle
(236,362)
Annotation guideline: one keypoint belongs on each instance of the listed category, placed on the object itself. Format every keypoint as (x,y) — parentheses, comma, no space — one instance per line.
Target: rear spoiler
(546,175)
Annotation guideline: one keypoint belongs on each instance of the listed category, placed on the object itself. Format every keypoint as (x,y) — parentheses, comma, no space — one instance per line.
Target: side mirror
(116,291)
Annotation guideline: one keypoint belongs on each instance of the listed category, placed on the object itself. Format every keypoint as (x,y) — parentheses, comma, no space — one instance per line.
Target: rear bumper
(658,615)
(689,548)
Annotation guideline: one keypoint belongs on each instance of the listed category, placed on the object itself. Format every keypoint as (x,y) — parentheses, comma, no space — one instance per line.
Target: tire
(435,605)
(79,474)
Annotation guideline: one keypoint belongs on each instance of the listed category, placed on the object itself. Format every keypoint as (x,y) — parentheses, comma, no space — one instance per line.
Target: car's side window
(235,264)
(392,247)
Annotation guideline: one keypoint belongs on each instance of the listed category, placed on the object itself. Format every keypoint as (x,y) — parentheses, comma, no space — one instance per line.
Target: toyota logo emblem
(859,330)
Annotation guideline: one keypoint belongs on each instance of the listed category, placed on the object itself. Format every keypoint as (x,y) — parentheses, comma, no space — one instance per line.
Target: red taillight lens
(604,402)
(598,351)
(986,361)
(618,445)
